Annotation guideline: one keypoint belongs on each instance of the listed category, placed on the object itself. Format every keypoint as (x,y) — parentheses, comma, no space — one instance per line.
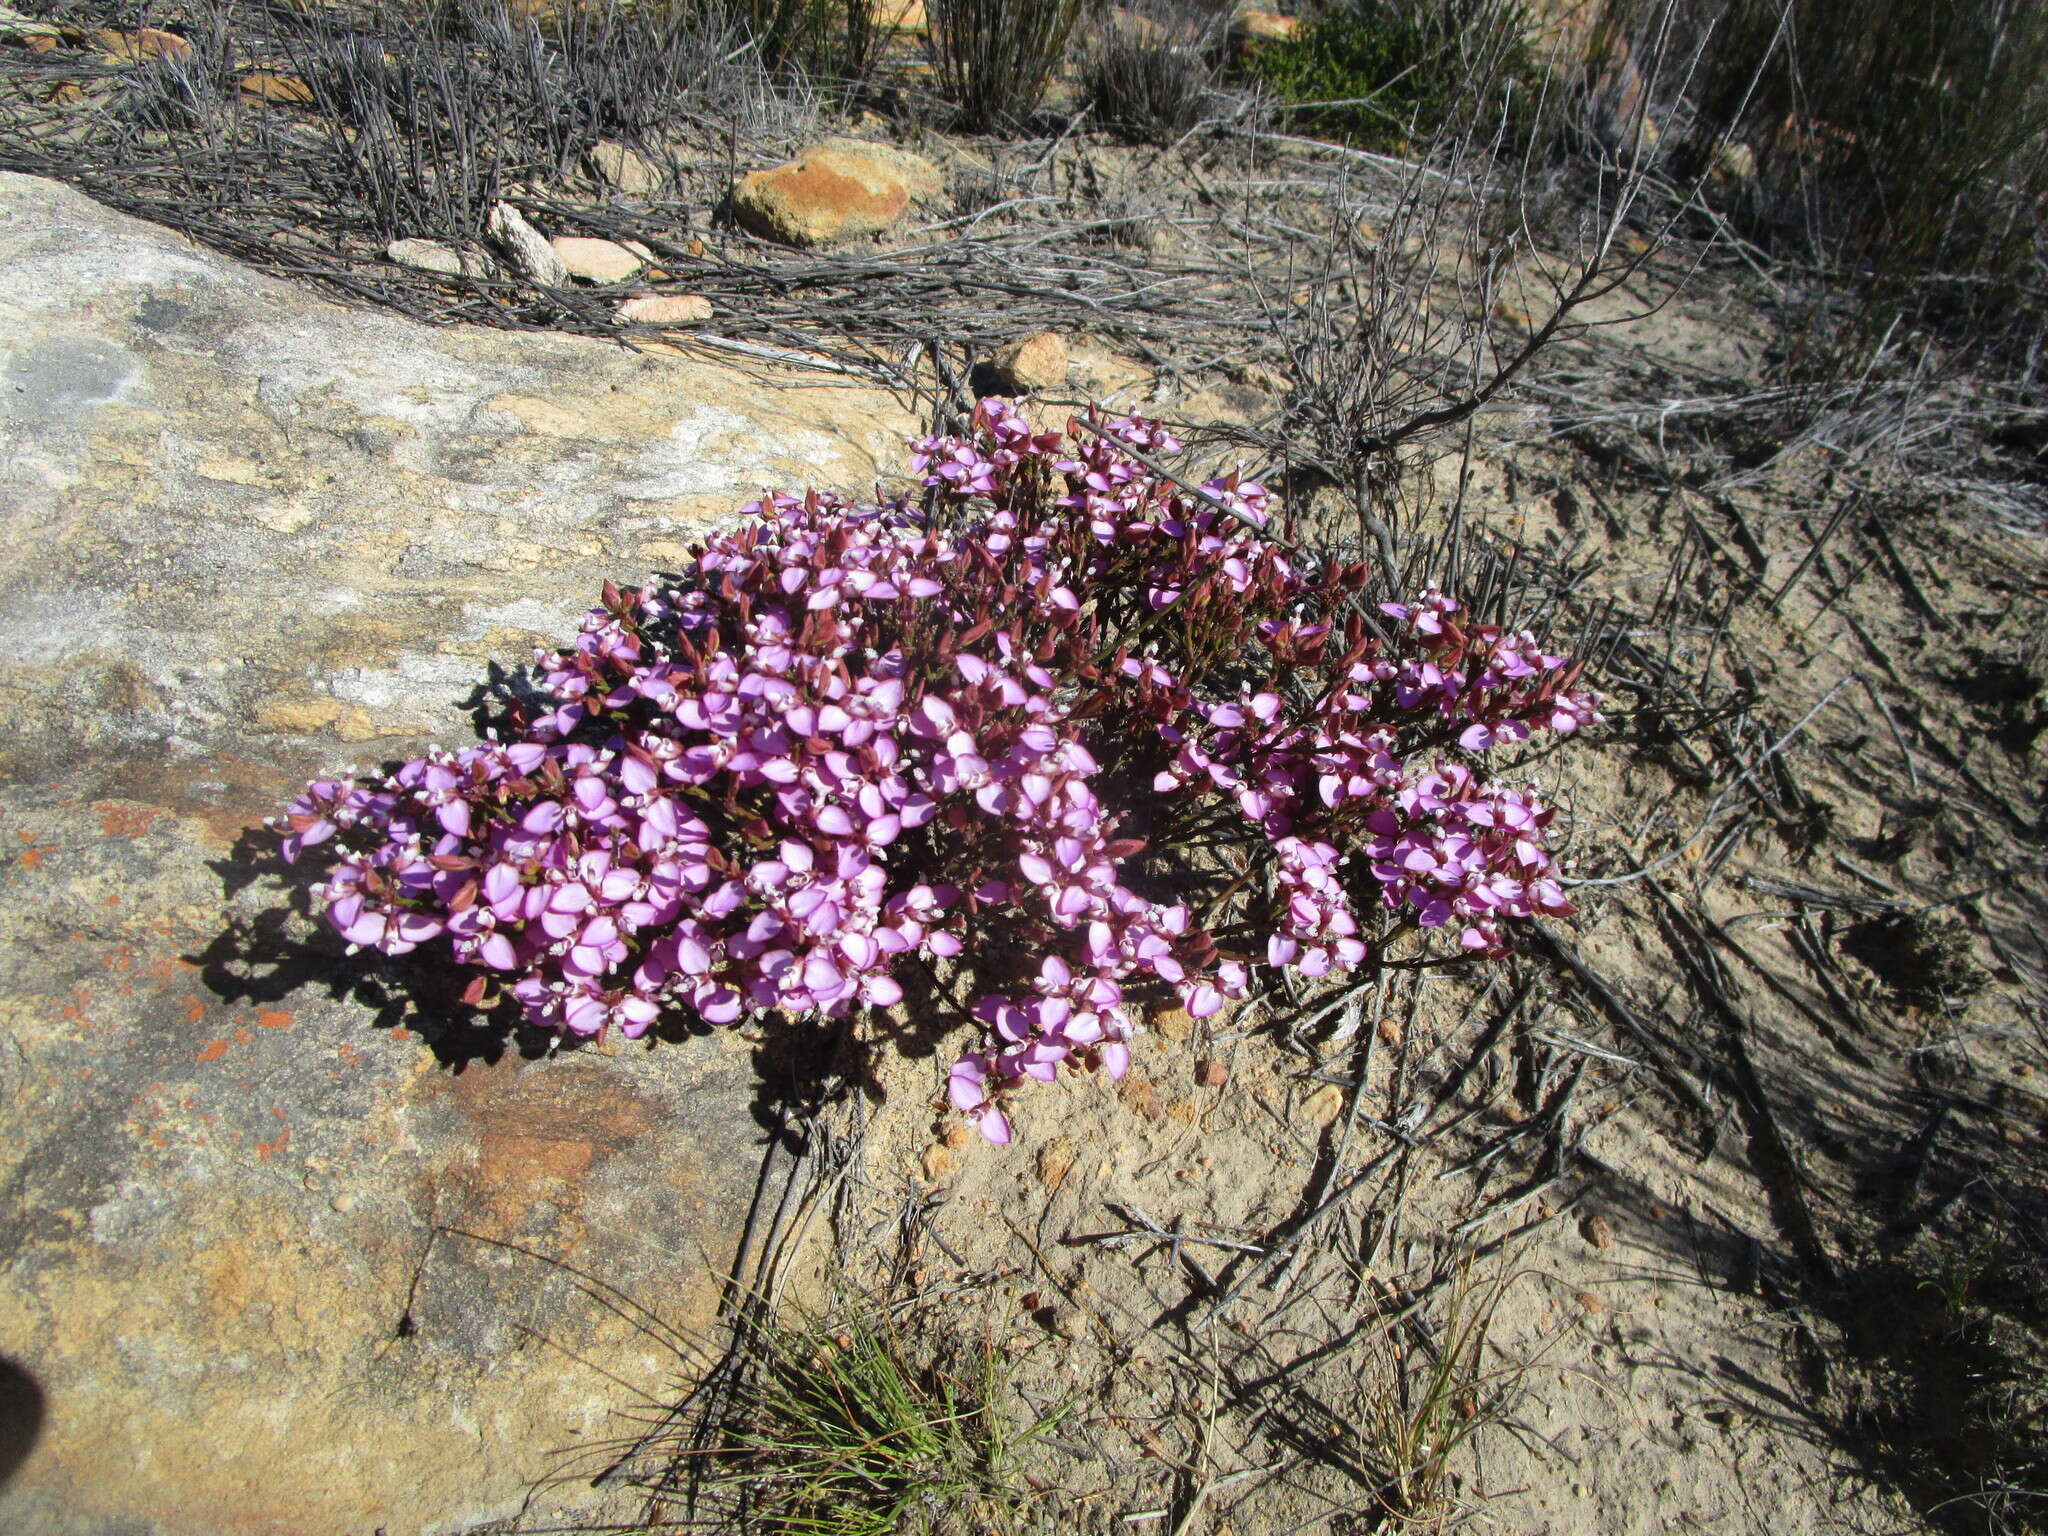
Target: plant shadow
(801,1065)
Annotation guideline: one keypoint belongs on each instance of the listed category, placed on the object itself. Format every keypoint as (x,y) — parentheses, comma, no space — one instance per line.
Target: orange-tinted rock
(1253,27)
(899,15)
(665,309)
(1035,363)
(277,90)
(842,189)
(142,46)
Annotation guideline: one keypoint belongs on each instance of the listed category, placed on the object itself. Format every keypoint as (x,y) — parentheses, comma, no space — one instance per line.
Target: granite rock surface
(280,1254)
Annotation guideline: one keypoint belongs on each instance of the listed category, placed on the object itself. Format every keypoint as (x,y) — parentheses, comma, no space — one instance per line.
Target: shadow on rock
(283,951)
(802,1064)
(22,1410)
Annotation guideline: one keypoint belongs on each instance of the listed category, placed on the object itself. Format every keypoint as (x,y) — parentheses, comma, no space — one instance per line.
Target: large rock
(251,535)
(841,189)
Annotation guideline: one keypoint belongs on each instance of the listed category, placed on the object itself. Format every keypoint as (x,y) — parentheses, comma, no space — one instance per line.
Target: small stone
(939,1162)
(1035,363)
(66,93)
(433,256)
(1142,1097)
(1253,27)
(17,28)
(841,189)
(278,90)
(624,169)
(665,309)
(957,1136)
(1735,162)
(1210,1073)
(1598,1231)
(1055,1162)
(1175,1024)
(1590,1304)
(142,46)
(899,15)
(1146,31)
(1390,1032)
(594,260)
(1324,1105)
(342,1203)
(527,246)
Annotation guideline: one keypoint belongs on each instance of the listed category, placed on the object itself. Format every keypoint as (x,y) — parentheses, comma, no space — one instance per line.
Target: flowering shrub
(1020,717)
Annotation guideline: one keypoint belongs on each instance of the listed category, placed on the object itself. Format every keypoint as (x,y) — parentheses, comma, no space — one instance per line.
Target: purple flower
(853,737)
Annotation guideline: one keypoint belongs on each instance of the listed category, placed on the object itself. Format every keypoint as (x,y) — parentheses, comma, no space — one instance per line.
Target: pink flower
(854,734)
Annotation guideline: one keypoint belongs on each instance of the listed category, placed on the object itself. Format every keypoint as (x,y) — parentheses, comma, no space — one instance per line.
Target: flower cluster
(987,723)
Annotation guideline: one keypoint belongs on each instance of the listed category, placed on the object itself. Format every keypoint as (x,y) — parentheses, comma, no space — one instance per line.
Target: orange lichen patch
(243,1037)
(125,818)
(224,793)
(542,1133)
(31,857)
(274,1018)
(213,1050)
(168,970)
(266,1150)
(195,1010)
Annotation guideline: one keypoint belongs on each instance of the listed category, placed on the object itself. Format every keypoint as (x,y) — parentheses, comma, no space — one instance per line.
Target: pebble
(1035,363)
(527,246)
(623,168)
(1210,1073)
(665,309)
(1325,1104)
(125,48)
(1055,1162)
(596,261)
(279,90)
(430,256)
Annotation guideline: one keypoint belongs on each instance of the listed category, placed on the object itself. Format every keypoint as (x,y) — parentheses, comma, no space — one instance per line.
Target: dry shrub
(995,58)
(1904,140)
(1150,74)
